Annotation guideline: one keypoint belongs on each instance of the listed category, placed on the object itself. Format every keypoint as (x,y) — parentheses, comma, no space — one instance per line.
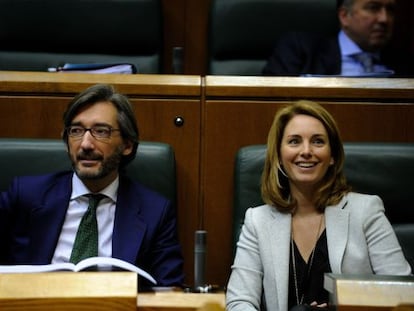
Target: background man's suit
(298,53)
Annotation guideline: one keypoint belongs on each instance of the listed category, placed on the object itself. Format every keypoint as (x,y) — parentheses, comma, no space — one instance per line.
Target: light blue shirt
(350,66)
(78,204)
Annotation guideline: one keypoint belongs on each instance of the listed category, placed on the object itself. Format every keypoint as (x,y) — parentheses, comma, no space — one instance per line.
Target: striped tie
(366,60)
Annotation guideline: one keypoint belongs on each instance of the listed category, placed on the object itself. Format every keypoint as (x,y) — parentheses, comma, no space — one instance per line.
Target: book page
(113,262)
(96,68)
(101,262)
(64,266)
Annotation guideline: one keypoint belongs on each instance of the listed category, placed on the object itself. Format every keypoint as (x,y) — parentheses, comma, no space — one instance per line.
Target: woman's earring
(279,167)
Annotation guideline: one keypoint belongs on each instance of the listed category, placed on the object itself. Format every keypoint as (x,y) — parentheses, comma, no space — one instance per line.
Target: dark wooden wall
(185,26)
(238,111)
(221,114)
(32,105)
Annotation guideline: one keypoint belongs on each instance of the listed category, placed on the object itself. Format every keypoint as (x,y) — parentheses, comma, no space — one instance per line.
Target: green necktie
(86,242)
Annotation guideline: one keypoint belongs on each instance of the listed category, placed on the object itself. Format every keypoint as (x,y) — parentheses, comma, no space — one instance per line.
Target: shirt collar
(79,189)
(349,47)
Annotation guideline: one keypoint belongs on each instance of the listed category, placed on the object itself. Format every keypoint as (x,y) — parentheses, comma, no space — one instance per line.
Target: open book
(102,263)
(121,68)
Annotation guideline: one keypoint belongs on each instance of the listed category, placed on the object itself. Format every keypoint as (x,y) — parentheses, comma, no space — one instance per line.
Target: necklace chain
(299,302)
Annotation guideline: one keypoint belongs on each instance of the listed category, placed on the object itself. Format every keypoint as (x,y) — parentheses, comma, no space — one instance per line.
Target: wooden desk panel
(349,292)
(221,114)
(170,301)
(291,88)
(65,291)
(32,105)
(45,83)
(238,111)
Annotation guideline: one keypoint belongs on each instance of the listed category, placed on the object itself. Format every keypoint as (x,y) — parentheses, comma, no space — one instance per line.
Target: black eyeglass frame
(97,131)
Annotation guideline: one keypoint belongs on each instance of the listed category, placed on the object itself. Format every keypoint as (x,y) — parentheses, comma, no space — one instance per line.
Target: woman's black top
(310,282)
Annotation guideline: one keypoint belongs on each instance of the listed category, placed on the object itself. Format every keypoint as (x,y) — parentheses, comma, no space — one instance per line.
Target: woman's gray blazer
(360,241)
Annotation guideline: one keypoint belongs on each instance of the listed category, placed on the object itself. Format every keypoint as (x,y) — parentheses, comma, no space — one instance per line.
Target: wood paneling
(221,114)
(179,301)
(32,105)
(65,291)
(238,111)
(186,25)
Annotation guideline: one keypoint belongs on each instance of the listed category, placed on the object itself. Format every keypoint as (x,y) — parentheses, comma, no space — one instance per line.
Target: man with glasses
(361,48)
(94,210)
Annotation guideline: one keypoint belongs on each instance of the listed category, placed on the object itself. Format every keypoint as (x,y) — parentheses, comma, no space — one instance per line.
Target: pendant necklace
(300,301)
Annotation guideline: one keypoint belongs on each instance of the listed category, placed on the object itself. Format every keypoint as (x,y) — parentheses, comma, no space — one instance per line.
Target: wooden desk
(169,301)
(221,114)
(381,292)
(66,291)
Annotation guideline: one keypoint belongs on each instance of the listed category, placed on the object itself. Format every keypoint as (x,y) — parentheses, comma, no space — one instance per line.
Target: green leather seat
(384,169)
(36,35)
(243,32)
(154,165)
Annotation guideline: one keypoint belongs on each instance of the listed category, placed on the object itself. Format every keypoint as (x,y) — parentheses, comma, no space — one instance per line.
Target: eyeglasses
(97,131)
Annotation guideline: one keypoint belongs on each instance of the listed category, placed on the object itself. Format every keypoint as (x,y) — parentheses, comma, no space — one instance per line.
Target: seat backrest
(384,169)
(38,34)
(243,32)
(153,166)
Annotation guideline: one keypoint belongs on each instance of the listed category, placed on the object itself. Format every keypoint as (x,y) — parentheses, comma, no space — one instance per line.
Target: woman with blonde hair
(311,222)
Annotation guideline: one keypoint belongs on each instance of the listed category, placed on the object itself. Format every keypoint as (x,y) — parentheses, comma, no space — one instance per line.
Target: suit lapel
(337,224)
(129,228)
(47,220)
(329,57)
(279,237)
(278,233)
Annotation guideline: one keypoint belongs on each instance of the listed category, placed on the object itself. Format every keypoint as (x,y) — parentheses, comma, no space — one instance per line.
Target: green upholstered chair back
(154,165)
(38,34)
(243,32)
(384,169)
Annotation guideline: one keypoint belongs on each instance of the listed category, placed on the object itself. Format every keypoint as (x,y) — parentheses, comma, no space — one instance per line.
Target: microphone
(178,60)
(200,245)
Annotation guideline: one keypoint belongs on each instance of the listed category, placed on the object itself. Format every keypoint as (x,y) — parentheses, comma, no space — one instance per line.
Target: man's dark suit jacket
(299,53)
(33,210)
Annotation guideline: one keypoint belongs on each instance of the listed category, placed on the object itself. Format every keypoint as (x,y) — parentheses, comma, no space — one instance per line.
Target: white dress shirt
(350,66)
(78,205)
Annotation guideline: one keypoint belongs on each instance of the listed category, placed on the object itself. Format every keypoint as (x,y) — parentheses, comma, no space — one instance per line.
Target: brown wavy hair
(275,186)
